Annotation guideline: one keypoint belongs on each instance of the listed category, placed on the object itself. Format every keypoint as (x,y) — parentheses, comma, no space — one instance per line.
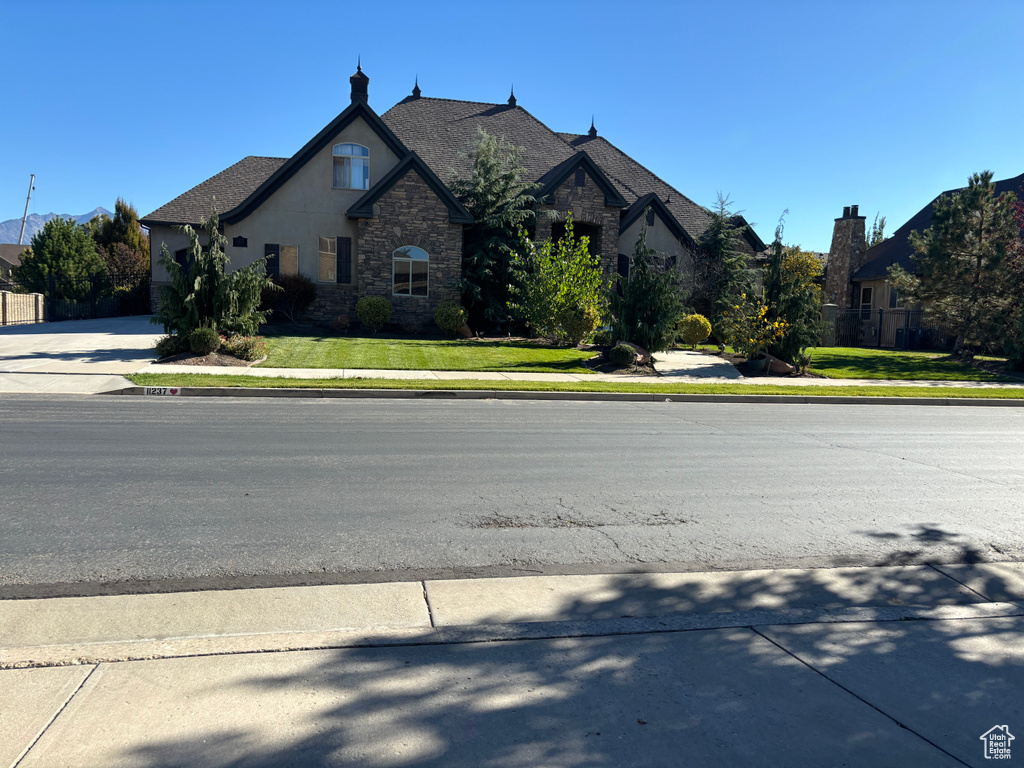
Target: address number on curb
(163,391)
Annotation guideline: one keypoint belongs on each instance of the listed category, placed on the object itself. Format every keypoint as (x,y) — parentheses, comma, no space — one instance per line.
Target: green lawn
(311,351)
(208,380)
(860,363)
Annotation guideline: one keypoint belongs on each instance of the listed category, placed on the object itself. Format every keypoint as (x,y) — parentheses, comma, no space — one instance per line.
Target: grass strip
(210,380)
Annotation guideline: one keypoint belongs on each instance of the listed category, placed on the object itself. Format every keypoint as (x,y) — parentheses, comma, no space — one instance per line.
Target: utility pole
(31,186)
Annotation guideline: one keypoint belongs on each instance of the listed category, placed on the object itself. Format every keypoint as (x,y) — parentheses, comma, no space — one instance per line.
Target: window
(240,242)
(581,178)
(183,260)
(289,259)
(351,166)
(273,253)
(328,260)
(409,271)
(336,260)
(894,298)
(865,303)
(650,217)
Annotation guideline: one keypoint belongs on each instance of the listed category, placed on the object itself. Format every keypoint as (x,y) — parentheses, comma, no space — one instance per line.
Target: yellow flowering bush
(748,329)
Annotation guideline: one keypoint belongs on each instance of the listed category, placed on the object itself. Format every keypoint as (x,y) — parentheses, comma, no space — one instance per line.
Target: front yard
(298,350)
(865,363)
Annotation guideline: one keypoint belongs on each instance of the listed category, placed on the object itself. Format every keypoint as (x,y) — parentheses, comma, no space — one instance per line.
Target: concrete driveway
(75,355)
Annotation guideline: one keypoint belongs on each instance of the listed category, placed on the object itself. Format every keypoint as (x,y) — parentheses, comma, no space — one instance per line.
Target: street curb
(503,394)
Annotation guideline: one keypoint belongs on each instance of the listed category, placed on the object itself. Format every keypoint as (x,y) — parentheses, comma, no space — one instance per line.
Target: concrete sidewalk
(901,666)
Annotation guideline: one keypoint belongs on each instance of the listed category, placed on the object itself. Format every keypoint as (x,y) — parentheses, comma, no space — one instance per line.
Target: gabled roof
(363,207)
(897,250)
(354,111)
(443,131)
(651,200)
(554,178)
(227,190)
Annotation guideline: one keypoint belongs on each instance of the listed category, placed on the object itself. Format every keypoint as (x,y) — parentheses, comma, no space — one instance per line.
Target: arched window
(409,271)
(351,166)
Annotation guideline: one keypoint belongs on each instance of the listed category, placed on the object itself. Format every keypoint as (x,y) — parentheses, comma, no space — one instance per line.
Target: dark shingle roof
(228,189)
(897,250)
(443,131)
(11,252)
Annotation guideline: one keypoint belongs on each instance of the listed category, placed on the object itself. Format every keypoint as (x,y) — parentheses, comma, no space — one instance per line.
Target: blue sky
(805,106)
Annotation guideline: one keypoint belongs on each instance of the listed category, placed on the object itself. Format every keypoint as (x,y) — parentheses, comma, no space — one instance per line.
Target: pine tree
(792,294)
(877,233)
(721,272)
(202,294)
(63,250)
(501,203)
(648,308)
(963,275)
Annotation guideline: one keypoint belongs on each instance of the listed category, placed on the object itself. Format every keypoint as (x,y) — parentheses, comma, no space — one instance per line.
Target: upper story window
(409,271)
(351,166)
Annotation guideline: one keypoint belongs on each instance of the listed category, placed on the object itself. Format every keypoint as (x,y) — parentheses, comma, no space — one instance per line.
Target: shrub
(693,329)
(622,355)
(170,345)
(374,311)
(203,341)
(297,293)
(245,347)
(449,317)
(648,308)
(748,328)
(577,323)
(603,338)
(411,326)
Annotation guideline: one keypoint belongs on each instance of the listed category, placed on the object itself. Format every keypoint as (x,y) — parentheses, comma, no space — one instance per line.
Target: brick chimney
(846,256)
(359,85)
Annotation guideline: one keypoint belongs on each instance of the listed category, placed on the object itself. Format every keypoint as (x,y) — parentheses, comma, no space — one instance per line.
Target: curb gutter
(502,394)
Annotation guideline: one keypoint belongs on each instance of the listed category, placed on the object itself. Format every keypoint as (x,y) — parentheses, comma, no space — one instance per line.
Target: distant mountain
(9,229)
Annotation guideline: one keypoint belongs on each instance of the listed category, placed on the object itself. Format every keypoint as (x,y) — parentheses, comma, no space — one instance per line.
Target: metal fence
(886,328)
(84,297)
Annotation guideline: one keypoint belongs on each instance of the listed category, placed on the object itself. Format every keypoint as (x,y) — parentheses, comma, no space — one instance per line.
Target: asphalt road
(159,493)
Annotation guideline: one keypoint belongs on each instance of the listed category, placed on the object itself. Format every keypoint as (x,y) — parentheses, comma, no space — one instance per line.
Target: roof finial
(592,133)
(416,88)
(359,63)
(512,96)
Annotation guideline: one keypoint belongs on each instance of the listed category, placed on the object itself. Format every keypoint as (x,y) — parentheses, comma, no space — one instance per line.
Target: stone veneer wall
(846,256)
(587,205)
(410,213)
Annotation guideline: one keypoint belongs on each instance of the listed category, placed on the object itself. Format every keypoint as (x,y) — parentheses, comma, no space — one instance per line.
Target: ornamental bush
(244,347)
(603,338)
(373,312)
(298,292)
(450,317)
(203,341)
(170,345)
(622,355)
(693,329)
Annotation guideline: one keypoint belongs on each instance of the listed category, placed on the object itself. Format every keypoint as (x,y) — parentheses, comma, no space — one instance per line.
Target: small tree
(648,308)
(558,289)
(877,233)
(120,241)
(793,296)
(63,250)
(203,295)
(502,203)
(961,261)
(721,273)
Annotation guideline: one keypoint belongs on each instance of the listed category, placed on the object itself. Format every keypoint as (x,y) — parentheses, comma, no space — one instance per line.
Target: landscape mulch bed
(215,358)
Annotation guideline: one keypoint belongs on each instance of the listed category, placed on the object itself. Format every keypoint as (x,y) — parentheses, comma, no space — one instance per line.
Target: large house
(363,207)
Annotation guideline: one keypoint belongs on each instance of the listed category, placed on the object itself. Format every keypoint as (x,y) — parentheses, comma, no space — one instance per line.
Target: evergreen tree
(64,250)
(648,308)
(120,241)
(793,295)
(877,233)
(203,295)
(501,203)
(721,272)
(963,273)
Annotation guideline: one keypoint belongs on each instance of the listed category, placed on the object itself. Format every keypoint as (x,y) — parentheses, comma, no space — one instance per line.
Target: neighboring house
(362,208)
(857,275)
(10,257)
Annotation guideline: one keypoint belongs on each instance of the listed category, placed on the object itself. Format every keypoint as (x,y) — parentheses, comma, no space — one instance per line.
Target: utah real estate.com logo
(997,742)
